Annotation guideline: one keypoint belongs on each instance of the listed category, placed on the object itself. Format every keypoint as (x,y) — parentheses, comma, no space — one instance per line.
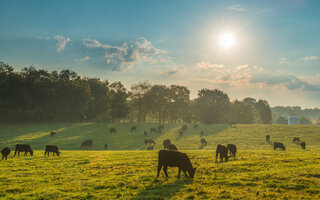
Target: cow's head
(192,172)
(31,153)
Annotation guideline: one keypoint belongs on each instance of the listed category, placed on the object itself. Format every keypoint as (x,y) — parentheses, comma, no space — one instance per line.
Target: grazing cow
(150,148)
(232,149)
(133,128)
(303,145)
(184,127)
(203,142)
(201,133)
(233,124)
(145,133)
(196,126)
(23,148)
(86,144)
(172,147)
(267,138)
(105,146)
(52,148)
(180,132)
(149,141)
(112,130)
(278,145)
(175,159)
(5,152)
(296,139)
(166,143)
(223,151)
(52,133)
(153,130)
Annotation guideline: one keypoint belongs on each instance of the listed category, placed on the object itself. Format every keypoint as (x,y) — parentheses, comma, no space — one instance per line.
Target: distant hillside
(296,110)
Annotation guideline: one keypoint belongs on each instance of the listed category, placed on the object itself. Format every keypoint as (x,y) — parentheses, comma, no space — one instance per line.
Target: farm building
(293,120)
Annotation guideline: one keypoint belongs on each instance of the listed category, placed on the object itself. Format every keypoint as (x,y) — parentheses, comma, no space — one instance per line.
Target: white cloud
(206,65)
(61,42)
(311,58)
(240,67)
(237,7)
(43,38)
(129,53)
(83,59)
(285,60)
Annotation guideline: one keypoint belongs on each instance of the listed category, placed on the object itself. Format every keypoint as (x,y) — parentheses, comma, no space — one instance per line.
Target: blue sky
(276,55)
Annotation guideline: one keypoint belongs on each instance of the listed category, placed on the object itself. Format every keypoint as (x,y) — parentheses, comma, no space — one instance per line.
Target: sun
(226,40)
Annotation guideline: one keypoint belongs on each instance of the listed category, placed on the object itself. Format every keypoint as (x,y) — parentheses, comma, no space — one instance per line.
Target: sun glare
(226,40)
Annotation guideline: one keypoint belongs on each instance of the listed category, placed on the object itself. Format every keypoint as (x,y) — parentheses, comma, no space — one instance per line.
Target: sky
(275,54)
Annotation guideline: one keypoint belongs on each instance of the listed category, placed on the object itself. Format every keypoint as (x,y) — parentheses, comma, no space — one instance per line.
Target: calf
(133,128)
(105,146)
(23,148)
(196,126)
(5,152)
(223,151)
(175,159)
(303,145)
(172,147)
(296,139)
(232,149)
(112,130)
(203,142)
(166,143)
(86,144)
(278,145)
(52,133)
(52,148)
(149,142)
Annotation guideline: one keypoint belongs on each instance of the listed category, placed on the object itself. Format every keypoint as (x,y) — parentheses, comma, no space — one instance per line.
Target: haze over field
(261,49)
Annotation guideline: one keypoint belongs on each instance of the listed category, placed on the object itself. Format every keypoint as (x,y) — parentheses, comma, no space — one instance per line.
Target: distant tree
(282,120)
(242,113)
(212,106)
(139,100)
(119,103)
(264,111)
(179,97)
(305,120)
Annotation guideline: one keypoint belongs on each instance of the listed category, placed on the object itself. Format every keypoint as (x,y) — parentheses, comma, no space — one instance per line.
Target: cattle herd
(169,156)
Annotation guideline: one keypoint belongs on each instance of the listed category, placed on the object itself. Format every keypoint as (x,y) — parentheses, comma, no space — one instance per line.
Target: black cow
(133,128)
(172,147)
(232,149)
(196,126)
(112,130)
(175,159)
(296,139)
(223,151)
(23,148)
(52,133)
(5,152)
(52,148)
(203,142)
(150,148)
(153,130)
(105,146)
(166,143)
(233,124)
(145,133)
(303,145)
(278,145)
(86,144)
(267,138)
(180,132)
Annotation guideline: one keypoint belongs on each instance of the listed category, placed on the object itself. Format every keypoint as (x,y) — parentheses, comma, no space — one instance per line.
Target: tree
(242,113)
(119,103)
(179,99)
(212,106)
(282,120)
(138,99)
(264,111)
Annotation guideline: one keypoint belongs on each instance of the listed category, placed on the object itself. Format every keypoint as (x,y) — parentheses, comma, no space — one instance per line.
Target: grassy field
(129,172)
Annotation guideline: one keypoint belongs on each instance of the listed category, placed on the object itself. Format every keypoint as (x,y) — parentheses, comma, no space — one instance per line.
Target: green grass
(130,172)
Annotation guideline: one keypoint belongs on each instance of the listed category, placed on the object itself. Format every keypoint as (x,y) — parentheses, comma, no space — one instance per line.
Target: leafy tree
(282,120)
(264,111)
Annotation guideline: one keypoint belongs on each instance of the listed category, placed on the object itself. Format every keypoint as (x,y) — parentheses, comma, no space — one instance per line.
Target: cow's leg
(15,153)
(216,156)
(2,157)
(185,173)
(165,169)
(226,157)
(221,157)
(6,157)
(179,171)
(159,168)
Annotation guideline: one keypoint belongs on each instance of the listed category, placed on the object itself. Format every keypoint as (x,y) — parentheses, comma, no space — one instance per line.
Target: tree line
(32,95)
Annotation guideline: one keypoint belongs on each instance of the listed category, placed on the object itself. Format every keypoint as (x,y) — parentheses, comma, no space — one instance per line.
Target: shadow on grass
(159,190)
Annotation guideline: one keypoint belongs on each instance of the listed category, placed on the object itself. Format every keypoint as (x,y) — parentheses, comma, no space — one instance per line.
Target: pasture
(128,171)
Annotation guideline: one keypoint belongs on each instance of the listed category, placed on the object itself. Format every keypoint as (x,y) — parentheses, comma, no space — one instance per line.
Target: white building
(293,120)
